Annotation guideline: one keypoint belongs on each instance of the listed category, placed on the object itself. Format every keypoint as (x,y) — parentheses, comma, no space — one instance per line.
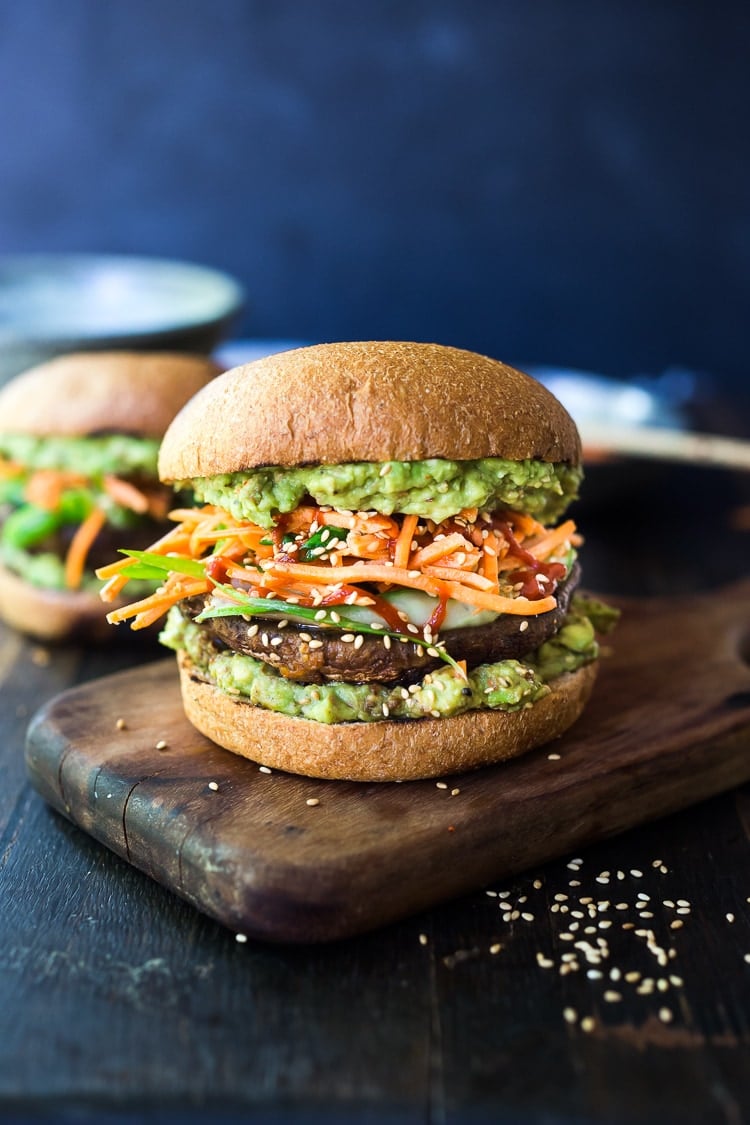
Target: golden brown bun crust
(52,615)
(381,751)
(370,401)
(88,392)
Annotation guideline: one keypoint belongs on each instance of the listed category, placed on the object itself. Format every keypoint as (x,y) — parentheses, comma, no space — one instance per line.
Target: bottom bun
(384,750)
(52,615)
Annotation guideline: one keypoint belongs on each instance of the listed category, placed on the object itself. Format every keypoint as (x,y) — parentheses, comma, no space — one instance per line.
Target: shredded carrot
(45,486)
(125,494)
(439,548)
(545,546)
(461,558)
(497,603)
(490,558)
(357,572)
(80,545)
(402,550)
(465,577)
(160,600)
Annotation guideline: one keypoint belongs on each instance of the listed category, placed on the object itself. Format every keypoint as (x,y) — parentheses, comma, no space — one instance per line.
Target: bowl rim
(229,297)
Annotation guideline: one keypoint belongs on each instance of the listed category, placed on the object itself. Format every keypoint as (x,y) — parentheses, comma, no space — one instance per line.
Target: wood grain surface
(121,1003)
(286,858)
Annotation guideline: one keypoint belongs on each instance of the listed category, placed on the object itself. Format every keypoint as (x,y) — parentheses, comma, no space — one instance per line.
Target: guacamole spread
(434,489)
(122,454)
(508,685)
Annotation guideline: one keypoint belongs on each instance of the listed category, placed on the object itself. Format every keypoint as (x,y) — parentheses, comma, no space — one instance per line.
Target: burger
(79,438)
(375,581)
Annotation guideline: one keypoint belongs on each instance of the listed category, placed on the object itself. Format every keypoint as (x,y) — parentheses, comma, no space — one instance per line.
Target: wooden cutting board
(668,725)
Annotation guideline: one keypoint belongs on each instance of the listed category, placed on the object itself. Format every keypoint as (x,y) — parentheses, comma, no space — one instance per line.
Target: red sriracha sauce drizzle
(537,579)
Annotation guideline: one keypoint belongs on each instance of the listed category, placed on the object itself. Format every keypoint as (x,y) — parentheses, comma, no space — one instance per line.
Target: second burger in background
(79,438)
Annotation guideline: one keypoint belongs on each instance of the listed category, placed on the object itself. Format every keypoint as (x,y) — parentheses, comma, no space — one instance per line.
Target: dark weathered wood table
(609,986)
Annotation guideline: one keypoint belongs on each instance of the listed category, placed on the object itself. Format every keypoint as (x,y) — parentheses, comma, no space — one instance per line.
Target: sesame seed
(306,637)
(588,1023)
(386,641)
(527,917)
(277,641)
(553,757)
(359,640)
(677,924)
(121,724)
(636,874)
(347,638)
(386,710)
(213,785)
(312,801)
(316,644)
(264,639)
(570,1015)
(442,785)
(537,884)
(523,626)
(665,1015)
(264,769)
(594,974)
(252,631)
(241,938)
(455,792)
(729,917)
(612,997)
(496,947)
(423,939)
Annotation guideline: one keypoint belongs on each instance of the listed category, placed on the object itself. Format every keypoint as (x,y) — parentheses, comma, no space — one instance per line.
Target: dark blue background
(551,182)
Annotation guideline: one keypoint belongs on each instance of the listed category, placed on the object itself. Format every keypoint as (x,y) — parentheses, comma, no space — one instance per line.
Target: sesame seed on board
(632,970)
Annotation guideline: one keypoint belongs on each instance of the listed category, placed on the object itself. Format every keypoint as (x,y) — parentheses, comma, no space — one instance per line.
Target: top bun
(86,393)
(367,401)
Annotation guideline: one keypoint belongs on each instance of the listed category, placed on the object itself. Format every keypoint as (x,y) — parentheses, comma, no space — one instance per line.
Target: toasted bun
(375,401)
(388,750)
(52,615)
(89,392)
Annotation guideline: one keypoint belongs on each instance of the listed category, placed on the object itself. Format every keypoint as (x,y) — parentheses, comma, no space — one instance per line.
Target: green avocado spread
(122,454)
(508,685)
(433,489)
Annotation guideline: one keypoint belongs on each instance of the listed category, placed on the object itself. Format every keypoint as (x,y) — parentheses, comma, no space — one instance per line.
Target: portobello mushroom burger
(79,438)
(376,581)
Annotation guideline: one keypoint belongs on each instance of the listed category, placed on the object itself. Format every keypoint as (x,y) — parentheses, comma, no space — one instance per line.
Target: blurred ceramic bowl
(56,303)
